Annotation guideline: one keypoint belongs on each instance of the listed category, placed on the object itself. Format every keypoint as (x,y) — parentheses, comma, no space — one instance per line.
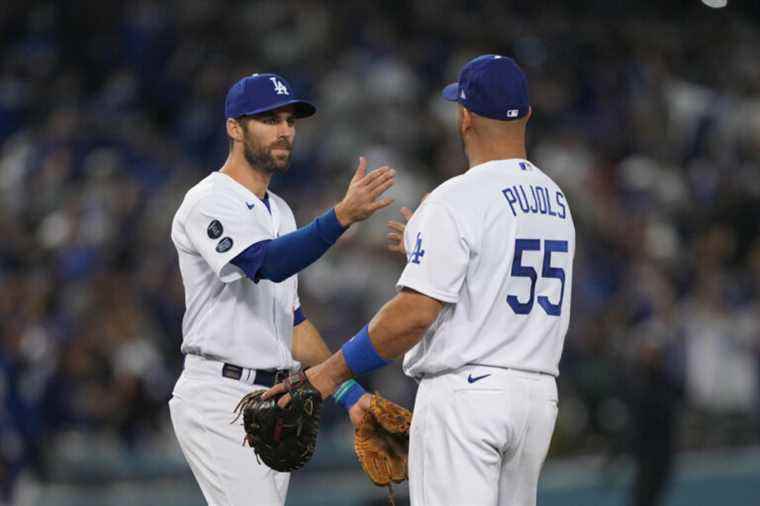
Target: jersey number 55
(526,271)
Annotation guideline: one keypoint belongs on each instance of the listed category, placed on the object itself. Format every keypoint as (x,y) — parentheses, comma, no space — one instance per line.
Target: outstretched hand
(360,201)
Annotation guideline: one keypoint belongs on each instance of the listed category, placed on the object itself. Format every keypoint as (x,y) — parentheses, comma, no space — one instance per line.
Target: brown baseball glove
(381,442)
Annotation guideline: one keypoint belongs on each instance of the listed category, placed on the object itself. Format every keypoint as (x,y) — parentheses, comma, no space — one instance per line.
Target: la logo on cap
(279,88)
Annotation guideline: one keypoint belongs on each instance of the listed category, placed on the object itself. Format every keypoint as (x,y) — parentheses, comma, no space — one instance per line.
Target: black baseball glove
(284,439)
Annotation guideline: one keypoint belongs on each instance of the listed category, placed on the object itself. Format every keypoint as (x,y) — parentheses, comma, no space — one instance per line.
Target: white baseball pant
(481,442)
(201,410)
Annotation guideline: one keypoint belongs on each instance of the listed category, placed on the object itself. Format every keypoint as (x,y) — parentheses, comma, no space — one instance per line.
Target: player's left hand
(358,411)
(285,439)
(362,198)
(381,441)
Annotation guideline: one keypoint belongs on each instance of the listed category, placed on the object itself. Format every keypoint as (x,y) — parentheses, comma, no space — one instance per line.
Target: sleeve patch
(418,252)
(224,245)
(215,230)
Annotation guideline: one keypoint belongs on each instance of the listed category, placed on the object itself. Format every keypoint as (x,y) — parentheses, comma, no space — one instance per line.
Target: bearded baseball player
(239,254)
(482,309)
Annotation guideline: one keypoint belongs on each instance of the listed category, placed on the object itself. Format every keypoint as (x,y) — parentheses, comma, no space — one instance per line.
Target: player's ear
(464,120)
(234,130)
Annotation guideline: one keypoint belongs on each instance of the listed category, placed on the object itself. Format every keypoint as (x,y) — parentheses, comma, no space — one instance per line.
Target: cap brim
(303,109)
(451,92)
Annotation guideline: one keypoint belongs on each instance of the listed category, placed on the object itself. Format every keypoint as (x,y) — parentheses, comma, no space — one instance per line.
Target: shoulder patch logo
(250,206)
(224,245)
(418,251)
(215,229)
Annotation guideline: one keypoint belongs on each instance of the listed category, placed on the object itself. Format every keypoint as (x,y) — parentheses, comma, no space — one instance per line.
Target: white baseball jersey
(496,244)
(228,317)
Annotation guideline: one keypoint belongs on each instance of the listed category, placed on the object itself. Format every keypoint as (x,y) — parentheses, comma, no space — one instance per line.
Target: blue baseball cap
(493,86)
(260,93)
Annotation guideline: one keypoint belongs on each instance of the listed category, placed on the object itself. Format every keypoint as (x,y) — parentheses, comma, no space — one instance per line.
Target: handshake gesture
(281,425)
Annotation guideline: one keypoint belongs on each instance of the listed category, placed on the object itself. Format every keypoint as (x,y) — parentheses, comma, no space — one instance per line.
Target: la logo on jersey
(418,251)
(279,88)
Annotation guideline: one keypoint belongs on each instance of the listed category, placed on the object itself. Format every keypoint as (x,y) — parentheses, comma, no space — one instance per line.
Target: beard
(261,158)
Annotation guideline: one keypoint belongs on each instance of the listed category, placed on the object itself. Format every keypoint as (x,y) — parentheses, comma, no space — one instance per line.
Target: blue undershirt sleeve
(278,259)
(298,317)
(251,258)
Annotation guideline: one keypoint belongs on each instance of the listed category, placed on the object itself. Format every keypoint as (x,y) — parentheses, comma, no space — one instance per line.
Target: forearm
(310,349)
(289,254)
(400,324)
(336,369)
(308,346)
(396,328)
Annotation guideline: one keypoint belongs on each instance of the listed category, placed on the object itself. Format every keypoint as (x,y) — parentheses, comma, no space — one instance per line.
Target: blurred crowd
(650,121)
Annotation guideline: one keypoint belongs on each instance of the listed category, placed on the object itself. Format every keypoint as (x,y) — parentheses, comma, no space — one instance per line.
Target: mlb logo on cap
(492,86)
(259,93)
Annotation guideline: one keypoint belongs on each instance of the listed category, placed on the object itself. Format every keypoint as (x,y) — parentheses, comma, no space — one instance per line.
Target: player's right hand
(360,201)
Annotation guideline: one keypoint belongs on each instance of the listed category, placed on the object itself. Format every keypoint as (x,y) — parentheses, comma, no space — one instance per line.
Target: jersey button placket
(274,223)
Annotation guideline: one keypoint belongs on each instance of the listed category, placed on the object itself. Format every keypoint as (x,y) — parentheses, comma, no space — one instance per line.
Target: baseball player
(239,252)
(482,309)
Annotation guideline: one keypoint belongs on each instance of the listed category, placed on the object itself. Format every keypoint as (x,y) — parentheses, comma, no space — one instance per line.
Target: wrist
(329,227)
(342,216)
(348,393)
(335,381)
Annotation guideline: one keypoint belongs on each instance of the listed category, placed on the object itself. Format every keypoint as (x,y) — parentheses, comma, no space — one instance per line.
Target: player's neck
(482,152)
(241,171)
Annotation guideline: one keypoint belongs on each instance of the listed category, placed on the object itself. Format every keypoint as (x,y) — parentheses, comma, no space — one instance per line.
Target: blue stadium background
(647,115)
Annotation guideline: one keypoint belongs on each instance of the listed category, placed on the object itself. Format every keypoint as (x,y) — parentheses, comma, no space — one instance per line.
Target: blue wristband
(360,354)
(348,393)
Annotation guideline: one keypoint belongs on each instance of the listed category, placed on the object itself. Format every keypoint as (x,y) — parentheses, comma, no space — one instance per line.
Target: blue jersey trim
(265,200)
(298,316)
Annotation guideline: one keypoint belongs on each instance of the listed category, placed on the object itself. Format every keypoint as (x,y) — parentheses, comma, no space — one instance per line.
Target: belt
(508,368)
(263,377)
